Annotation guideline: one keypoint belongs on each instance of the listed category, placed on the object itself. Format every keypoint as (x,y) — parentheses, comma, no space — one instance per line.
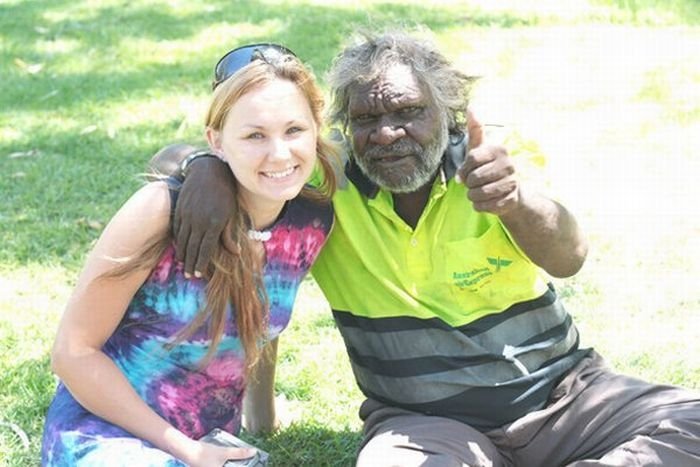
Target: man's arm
(546,231)
(206,199)
(167,161)
(205,203)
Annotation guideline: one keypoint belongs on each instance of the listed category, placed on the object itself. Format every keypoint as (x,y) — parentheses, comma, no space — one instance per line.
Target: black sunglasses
(241,56)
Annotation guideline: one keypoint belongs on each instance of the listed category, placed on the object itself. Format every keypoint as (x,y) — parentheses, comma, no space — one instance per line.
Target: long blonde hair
(235,273)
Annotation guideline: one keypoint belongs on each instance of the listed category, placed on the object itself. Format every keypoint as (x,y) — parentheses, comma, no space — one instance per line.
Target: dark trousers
(595,417)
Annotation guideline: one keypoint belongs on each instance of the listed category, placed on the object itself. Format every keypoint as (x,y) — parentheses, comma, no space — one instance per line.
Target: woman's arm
(93,312)
(259,401)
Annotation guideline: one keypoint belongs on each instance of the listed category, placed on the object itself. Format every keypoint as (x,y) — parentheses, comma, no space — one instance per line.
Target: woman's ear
(214,140)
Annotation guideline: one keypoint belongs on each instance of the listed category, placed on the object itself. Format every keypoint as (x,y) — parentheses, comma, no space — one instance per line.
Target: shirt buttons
(414,242)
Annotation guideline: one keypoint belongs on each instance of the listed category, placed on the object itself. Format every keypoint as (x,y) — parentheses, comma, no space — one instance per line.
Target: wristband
(185,164)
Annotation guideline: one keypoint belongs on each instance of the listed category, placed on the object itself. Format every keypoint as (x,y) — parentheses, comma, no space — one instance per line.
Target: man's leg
(600,418)
(396,437)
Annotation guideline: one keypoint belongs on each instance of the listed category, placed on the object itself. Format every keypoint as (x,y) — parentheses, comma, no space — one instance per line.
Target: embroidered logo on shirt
(499,262)
(471,278)
(475,278)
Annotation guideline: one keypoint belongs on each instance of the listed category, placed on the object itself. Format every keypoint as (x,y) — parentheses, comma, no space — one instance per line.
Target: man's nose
(387,131)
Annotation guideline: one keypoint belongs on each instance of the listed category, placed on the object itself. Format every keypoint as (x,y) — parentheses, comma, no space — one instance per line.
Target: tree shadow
(99,34)
(72,179)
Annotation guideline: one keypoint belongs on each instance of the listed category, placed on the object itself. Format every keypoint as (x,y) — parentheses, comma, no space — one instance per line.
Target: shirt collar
(452,159)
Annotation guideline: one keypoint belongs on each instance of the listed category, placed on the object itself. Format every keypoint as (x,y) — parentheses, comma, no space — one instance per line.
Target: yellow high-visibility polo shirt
(450,318)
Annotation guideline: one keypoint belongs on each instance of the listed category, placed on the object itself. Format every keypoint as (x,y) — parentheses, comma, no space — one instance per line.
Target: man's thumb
(475,130)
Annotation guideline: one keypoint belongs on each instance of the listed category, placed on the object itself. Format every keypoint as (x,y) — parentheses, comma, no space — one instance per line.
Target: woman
(150,362)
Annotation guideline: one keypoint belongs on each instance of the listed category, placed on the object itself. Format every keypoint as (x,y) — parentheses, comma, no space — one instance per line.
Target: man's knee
(390,449)
(419,440)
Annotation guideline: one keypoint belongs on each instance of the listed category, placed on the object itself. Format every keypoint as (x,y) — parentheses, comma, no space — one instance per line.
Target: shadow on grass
(309,444)
(315,32)
(65,184)
(57,200)
(87,69)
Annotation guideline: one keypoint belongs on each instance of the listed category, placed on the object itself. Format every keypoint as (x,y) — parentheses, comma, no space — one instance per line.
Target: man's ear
(214,140)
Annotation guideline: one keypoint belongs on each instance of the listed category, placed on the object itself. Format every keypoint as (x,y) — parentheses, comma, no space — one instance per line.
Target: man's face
(398,136)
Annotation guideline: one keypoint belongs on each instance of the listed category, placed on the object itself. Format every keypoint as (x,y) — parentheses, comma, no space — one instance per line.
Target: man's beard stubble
(428,161)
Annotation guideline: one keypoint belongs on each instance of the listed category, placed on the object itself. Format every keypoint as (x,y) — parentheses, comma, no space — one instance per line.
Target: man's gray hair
(374,53)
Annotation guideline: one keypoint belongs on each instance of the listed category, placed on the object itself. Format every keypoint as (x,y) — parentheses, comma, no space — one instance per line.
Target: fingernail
(188,275)
(197,274)
(458,178)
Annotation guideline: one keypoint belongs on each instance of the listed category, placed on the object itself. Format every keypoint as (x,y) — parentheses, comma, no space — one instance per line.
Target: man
(433,271)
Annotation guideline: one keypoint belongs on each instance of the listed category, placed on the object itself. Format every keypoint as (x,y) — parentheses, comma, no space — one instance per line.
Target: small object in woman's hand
(223,438)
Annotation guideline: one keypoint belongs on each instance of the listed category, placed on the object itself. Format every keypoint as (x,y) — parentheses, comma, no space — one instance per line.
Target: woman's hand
(210,455)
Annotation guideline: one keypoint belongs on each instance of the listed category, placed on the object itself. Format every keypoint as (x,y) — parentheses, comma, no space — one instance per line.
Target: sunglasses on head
(241,56)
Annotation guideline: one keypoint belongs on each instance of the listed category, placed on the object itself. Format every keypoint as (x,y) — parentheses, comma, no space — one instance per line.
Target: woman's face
(269,141)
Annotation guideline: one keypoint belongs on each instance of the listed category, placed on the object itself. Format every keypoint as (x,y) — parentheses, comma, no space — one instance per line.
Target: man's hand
(487,172)
(489,175)
(205,204)
(475,130)
(545,230)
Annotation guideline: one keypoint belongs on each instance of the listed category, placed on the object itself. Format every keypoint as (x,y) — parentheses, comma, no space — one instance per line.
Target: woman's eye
(294,129)
(255,135)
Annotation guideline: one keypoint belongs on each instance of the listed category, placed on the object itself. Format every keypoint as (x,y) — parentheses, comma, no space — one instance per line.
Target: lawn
(598,102)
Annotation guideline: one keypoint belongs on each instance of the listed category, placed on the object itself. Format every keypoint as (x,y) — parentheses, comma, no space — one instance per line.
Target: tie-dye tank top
(194,400)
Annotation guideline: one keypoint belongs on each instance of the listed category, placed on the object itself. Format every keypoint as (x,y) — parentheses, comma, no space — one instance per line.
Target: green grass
(600,104)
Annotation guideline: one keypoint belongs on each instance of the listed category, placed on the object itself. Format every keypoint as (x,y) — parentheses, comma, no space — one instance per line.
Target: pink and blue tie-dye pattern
(193,399)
